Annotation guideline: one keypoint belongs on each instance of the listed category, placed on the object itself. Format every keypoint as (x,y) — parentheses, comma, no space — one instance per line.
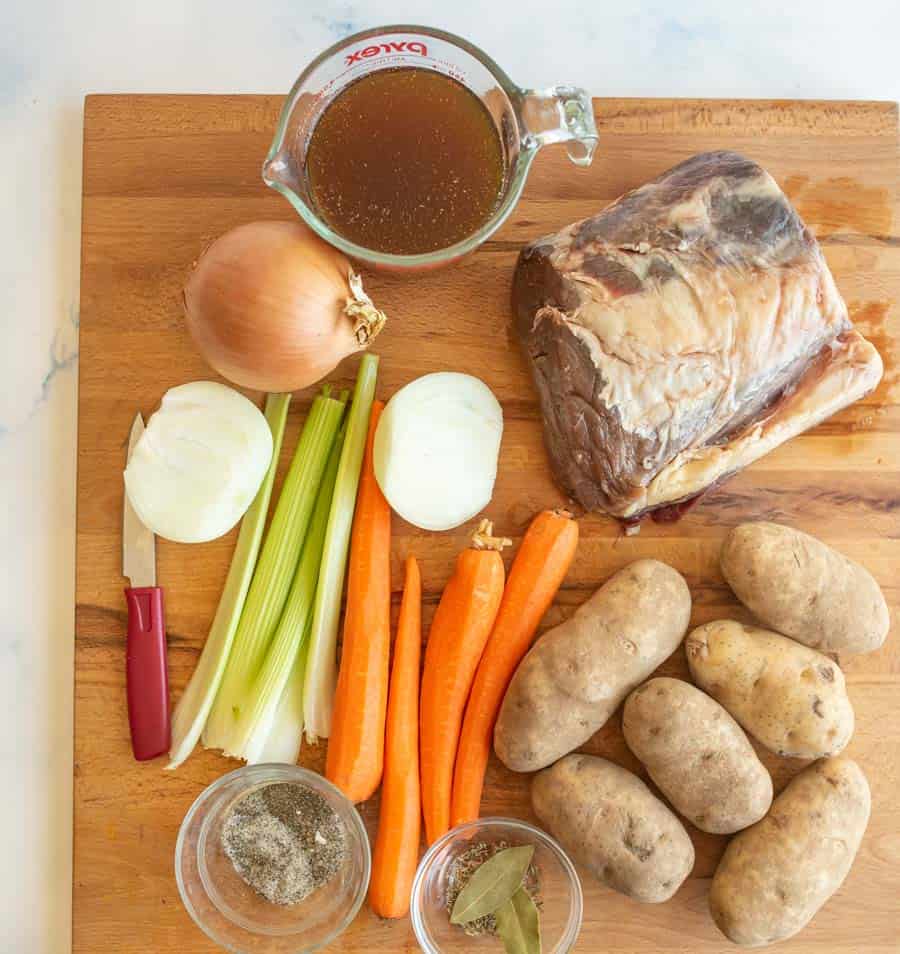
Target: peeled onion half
(436,449)
(199,463)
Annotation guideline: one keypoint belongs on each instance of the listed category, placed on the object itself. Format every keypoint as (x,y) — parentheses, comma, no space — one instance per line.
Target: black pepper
(284,841)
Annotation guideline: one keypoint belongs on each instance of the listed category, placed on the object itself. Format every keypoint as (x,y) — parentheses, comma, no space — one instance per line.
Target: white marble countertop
(51,54)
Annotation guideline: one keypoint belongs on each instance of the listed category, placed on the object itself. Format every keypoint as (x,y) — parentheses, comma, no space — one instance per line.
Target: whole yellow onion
(271,306)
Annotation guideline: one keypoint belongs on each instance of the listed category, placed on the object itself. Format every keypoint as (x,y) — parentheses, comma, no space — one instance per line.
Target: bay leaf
(492,884)
(519,924)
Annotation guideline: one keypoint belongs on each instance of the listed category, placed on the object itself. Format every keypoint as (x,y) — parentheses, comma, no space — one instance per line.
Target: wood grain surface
(165,174)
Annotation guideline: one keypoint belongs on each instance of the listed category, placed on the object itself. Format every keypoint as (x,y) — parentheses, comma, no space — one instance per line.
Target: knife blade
(138,543)
(146,668)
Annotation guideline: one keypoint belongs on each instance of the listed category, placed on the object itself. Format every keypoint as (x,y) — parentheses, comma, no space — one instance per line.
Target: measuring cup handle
(560,114)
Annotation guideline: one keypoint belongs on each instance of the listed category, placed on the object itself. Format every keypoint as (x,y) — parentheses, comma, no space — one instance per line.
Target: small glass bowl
(560,889)
(232,913)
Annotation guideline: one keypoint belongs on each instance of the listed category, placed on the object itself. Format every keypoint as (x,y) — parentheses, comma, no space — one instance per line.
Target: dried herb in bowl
(494,888)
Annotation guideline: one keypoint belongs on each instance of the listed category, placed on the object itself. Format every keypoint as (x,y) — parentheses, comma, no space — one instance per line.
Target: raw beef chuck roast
(682,333)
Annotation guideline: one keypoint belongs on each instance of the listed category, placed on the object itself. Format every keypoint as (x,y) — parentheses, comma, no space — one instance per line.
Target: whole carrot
(534,578)
(399,821)
(356,746)
(459,630)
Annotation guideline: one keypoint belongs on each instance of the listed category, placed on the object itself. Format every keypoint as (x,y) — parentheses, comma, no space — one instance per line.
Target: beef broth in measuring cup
(406,147)
(405,161)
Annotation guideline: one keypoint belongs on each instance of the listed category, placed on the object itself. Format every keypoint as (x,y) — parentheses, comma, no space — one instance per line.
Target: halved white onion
(199,463)
(436,449)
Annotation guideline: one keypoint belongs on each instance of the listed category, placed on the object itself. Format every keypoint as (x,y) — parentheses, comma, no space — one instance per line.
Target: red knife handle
(147,674)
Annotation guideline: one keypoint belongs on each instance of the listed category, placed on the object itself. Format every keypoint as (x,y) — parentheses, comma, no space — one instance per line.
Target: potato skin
(697,755)
(610,822)
(575,676)
(798,586)
(788,696)
(775,876)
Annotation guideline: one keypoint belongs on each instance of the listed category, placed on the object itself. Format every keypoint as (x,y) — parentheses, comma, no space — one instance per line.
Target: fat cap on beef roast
(680,334)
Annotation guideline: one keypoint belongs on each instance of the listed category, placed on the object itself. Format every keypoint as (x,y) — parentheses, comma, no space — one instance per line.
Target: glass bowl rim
(576,905)
(274,772)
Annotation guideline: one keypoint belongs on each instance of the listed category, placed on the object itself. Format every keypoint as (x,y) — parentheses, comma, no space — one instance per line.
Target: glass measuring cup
(525,120)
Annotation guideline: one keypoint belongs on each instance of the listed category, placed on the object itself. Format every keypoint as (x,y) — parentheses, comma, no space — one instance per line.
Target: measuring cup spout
(276,171)
(280,173)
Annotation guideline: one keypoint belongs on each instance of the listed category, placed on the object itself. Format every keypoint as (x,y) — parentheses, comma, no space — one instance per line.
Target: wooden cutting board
(165,174)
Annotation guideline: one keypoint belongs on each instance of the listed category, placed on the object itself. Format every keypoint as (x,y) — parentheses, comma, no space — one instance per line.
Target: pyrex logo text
(395,47)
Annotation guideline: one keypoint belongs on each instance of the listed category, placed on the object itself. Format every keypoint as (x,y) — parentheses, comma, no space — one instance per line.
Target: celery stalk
(196,701)
(255,708)
(321,667)
(281,743)
(277,565)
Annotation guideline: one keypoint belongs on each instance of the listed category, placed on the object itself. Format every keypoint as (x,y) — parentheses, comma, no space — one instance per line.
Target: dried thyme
(466,864)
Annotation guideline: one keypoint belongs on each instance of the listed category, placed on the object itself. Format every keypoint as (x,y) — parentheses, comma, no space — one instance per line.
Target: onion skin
(273,307)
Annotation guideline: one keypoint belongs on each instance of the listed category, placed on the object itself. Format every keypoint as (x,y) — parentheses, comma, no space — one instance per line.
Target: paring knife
(146,670)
